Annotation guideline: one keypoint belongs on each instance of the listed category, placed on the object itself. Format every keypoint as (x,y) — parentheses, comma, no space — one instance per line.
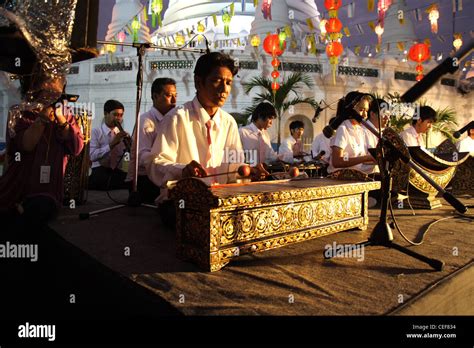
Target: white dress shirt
(371,142)
(182,138)
(286,149)
(411,137)
(257,145)
(351,139)
(99,145)
(466,145)
(148,130)
(321,143)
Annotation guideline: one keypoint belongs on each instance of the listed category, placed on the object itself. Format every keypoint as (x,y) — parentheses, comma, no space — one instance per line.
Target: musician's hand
(117,139)
(258,172)
(194,169)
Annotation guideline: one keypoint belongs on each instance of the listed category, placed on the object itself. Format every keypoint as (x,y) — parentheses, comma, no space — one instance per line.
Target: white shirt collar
(203,116)
(106,130)
(156,114)
(254,128)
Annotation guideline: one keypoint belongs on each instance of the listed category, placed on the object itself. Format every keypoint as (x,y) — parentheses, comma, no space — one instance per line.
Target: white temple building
(114,76)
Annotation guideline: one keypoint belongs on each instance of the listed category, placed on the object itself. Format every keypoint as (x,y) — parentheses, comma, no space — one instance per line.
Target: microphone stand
(382,234)
(134,199)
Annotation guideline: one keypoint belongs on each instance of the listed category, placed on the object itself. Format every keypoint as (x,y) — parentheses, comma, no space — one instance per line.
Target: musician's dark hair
(111,105)
(160,83)
(425,113)
(296,124)
(208,62)
(263,111)
(376,105)
(347,103)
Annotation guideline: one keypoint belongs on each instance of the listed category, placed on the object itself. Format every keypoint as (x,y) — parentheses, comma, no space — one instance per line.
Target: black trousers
(103,178)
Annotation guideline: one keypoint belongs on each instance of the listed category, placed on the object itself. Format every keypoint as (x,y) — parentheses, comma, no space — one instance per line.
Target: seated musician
(420,125)
(106,150)
(322,143)
(193,138)
(291,148)
(376,106)
(255,137)
(163,95)
(38,142)
(467,144)
(348,146)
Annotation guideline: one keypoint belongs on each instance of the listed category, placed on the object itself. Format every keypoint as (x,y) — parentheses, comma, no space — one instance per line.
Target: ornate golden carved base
(218,223)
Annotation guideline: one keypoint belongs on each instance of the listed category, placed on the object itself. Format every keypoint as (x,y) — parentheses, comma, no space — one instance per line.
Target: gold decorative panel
(222,222)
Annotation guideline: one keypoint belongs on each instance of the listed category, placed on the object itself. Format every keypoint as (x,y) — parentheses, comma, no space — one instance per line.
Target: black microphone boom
(470,125)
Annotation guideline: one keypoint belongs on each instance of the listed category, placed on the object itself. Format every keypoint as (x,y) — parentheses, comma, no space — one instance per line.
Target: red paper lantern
(275,74)
(419,68)
(275,62)
(275,86)
(271,45)
(332,5)
(419,77)
(334,49)
(419,52)
(333,25)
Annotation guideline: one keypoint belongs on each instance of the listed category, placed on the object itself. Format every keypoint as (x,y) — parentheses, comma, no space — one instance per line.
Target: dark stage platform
(293,280)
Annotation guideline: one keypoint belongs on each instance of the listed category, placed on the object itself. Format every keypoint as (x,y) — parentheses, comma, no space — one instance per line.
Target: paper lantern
(332,5)
(179,40)
(201,28)
(419,52)
(433,16)
(457,43)
(135,26)
(275,62)
(255,41)
(334,49)
(271,45)
(226,18)
(275,86)
(379,31)
(156,8)
(383,6)
(275,74)
(333,25)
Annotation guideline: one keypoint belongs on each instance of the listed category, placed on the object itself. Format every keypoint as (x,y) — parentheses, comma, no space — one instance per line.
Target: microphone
(127,140)
(463,129)
(317,112)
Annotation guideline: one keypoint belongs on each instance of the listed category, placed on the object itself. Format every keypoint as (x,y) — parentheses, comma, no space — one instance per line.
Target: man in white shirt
(107,148)
(467,144)
(163,95)
(376,106)
(348,146)
(292,146)
(199,138)
(255,138)
(420,125)
(322,143)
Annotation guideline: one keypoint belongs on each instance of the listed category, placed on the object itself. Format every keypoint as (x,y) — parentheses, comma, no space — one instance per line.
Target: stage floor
(293,280)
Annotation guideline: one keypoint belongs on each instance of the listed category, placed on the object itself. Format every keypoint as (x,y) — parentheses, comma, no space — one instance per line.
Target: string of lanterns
(333,27)
(274,47)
